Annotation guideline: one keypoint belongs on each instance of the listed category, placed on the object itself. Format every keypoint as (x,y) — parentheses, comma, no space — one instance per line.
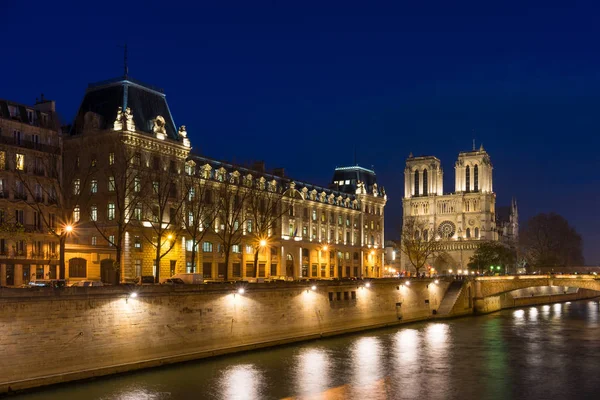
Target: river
(542,352)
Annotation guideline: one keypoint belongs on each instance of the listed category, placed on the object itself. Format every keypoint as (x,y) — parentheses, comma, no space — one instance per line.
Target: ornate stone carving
(159,127)
(124,120)
(129,124)
(182,131)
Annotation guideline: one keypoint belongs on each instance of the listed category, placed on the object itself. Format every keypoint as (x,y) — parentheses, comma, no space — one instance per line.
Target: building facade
(460,220)
(133,187)
(30,162)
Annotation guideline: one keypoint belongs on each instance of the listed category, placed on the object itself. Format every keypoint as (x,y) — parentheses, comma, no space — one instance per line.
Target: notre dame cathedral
(461,220)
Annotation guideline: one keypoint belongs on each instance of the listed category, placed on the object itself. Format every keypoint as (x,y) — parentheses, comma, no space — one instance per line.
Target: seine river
(543,352)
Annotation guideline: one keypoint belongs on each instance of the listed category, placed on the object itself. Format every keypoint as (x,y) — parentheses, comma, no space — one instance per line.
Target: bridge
(490,292)
(486,286)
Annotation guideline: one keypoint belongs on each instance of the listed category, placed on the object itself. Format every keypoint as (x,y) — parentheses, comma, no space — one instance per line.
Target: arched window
(476,178)
(467,179)
(468,233)
(425,182)
(425,238)
(416,182)
(476,232)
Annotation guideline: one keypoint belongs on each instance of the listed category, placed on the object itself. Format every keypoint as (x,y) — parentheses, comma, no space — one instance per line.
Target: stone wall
(49,336)
(532,296)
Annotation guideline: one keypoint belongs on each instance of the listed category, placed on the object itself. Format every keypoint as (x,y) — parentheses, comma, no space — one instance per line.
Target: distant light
(133,295)
(241,291)
(407,283)
(436,281)
(313,287)
(372,252)
(325,248)
(368,284)
(170,237)
(450,271)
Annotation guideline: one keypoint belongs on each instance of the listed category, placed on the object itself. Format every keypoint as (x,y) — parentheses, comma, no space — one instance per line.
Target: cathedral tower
(473,171)
(423,176)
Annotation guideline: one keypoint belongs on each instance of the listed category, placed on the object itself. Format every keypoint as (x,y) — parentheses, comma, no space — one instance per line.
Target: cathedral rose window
(446,229)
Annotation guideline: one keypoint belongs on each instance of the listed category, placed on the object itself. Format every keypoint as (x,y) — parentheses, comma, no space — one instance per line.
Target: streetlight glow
(313,287)
(241,291)
(263,243)
(170,237)
(133,295)
(69,228)
(368,284)
(325,248)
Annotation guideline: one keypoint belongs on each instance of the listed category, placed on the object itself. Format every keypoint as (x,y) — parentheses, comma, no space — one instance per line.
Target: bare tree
(265,207)
(417,243)
(55,186)
(124,176)
(200,210)
(164,204)
(231,195)
(549,241)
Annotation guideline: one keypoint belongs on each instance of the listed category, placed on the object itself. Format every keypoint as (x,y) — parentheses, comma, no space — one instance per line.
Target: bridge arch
(497,285)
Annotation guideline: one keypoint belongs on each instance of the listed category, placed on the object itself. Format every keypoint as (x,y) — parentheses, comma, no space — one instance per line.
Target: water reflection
(533,314)
(407,346)
(240,382)
(312,371)
(366,367)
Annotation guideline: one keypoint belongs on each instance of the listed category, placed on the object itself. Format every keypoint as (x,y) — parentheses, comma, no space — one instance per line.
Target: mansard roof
(284,182)
(103,99)
(353,175)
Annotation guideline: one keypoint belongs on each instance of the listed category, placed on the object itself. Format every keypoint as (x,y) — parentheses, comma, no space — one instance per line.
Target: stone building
(132,185)
(459,220)
(30,161)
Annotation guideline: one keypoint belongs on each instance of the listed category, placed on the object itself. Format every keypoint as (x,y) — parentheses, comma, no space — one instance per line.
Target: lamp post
(62,239)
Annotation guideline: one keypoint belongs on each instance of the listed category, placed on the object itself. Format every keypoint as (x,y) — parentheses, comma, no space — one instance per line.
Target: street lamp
(69,228)
(170,236)
(262,243)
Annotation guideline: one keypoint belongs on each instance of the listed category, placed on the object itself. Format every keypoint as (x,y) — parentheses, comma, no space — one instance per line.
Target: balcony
(28,144)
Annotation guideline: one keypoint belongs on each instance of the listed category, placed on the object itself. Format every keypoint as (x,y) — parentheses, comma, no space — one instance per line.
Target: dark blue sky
(301,85)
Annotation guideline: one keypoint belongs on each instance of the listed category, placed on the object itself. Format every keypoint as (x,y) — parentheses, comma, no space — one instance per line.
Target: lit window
(76,214)
(94,213)
(20,161)
(111,158)
(137,242)
(137,212)
(190,218)
(111,183)
(2,160)
(111,240)
(111,211)
(347,182)
(249,225)
(155,187)
(207,247)
(189,245)
(191,194)
(314,215)
(235,248)
(76,186)
(94,240)
(94,186)
(249,249)
(137,185)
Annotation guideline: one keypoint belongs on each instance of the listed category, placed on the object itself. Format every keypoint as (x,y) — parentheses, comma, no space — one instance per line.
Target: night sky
(301,86)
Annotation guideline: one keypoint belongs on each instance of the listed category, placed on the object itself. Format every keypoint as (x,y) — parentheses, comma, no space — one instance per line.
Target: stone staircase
(450,298)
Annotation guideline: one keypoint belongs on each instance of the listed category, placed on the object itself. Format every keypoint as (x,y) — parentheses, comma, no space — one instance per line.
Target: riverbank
(56,336)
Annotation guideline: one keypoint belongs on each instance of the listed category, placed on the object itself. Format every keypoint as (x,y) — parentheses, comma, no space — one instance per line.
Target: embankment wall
(49,335)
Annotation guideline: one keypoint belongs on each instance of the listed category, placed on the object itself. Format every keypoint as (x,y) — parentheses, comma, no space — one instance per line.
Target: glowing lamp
(241,291)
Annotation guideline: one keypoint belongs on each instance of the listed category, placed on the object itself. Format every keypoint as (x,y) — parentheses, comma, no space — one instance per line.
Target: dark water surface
(543,352)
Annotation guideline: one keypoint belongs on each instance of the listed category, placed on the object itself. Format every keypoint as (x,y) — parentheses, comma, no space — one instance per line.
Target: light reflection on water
(532,353)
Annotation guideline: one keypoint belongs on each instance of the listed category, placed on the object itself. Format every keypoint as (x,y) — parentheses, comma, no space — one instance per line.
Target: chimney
(280,172)
(259,166)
